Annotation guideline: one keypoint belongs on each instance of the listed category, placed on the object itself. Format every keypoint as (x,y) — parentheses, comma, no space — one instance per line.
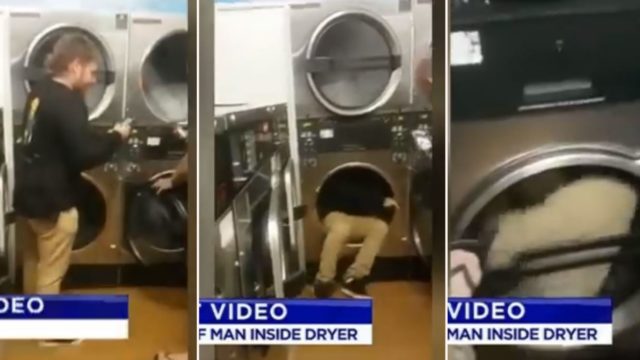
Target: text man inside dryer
(58,145)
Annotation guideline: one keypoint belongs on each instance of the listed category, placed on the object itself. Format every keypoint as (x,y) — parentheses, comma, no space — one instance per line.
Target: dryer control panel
(155,143)
(390,131)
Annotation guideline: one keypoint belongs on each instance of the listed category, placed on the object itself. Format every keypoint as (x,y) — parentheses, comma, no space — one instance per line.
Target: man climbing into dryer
(57,145)
(352,206)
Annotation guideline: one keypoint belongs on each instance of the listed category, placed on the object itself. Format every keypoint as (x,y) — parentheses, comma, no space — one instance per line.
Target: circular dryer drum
(354,188)
(157,223)
(620,280)
(353,63)
(92,213)
(101,94)
(164,77)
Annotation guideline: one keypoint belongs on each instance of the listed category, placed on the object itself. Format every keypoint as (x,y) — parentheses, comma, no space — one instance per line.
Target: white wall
(251,55)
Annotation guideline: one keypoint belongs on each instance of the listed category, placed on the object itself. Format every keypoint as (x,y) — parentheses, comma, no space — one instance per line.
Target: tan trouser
(47,257)
(341,228)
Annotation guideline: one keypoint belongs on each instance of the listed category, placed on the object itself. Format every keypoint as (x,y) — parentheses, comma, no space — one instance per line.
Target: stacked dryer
(156,101)
(353,88)
(142,76)
(33,34)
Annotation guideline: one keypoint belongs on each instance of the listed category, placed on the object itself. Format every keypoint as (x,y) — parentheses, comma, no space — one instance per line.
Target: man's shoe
(355,288)
(323,289)
(60,342)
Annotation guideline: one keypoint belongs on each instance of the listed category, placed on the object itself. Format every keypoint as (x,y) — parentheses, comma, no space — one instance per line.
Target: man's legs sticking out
(374,231)
(53,251)
(338,229)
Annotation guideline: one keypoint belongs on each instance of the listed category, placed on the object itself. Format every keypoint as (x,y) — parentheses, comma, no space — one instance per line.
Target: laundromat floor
(158,321)
(401,327)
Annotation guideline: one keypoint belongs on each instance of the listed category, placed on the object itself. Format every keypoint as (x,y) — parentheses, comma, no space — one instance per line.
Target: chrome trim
(274,229)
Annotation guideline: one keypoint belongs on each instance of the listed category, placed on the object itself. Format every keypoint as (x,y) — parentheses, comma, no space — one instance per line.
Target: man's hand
(162,184)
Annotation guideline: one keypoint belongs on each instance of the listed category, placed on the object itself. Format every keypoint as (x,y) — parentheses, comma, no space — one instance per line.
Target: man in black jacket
(57,145)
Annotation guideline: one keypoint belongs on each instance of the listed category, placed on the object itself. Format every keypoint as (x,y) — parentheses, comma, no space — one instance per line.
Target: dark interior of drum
(164,78)
(624,276)
(44,47)
(92,213)
(371,184)
(352,38)
(159,220)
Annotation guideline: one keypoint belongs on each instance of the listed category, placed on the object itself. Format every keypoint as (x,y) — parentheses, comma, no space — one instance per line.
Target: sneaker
(60,342)
(355,288)
(323,289)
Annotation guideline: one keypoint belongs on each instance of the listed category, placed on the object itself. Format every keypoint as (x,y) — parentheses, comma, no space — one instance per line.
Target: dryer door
(156,225)
(102,94)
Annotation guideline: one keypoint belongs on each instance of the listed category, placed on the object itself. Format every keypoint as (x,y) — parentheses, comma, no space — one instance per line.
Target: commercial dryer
(156,91)
(34,32)
(376,151)
(351,58)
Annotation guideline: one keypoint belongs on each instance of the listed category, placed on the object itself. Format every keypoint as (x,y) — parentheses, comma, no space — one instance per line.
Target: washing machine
(156,91)
(155,225)
(512,153)
(34,33)
(375,150)
(351,58)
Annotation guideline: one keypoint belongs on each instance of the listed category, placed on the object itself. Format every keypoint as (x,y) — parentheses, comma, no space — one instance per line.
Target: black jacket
(58,144)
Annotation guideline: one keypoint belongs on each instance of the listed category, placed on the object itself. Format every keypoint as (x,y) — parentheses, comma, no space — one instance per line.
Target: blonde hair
(68,48)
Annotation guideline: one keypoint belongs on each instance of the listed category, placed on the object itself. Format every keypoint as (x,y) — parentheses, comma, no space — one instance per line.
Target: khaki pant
(47,257)
(341,228)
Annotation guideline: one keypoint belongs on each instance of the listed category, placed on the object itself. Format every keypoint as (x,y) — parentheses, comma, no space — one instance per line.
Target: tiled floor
(158,320)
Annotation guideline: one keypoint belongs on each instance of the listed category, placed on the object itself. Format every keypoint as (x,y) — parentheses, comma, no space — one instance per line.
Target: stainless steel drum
(351,59)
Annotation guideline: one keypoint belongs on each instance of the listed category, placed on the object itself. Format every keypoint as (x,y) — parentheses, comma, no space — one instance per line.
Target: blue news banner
(64,317)
(528,321)
(285,322)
